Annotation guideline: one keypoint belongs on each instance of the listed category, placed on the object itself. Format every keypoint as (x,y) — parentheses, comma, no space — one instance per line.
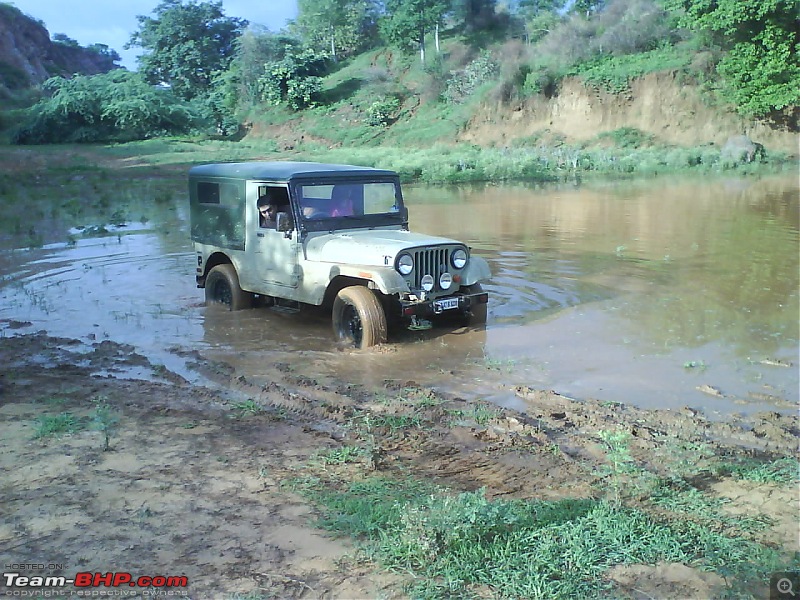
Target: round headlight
(405,264)
(459,258)
(427,283)
(445,281)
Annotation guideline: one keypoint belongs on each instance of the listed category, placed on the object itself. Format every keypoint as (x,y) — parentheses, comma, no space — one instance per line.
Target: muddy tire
(358,317)
(222,287)
(475,317)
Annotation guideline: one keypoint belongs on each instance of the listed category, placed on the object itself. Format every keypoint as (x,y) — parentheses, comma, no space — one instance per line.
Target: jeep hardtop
(339,239)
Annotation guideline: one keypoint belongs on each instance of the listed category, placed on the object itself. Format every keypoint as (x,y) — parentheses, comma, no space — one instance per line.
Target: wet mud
(663,312)
(192,480)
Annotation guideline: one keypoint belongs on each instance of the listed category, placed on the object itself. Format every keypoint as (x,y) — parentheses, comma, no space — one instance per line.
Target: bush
(463,83)
(294,80)
(614,73)
(117,106)
(622,27)
(627,137)
(380,112)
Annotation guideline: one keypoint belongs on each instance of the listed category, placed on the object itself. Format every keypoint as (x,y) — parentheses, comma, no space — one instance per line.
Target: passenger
(269,205)
(266,212)
(313,212)
(343,200)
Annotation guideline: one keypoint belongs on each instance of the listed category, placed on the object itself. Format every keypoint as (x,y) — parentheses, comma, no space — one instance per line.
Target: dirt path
(194,480)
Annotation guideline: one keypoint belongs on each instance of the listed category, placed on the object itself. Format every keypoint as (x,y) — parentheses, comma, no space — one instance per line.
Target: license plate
(446,304)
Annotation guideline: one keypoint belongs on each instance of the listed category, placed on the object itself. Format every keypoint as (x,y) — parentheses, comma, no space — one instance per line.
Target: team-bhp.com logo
(94,580)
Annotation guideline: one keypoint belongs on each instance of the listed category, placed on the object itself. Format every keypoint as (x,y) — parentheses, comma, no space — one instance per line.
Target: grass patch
(780,471)
(54,425)
(342,455)
(614,73)
(247,408)
(455,544)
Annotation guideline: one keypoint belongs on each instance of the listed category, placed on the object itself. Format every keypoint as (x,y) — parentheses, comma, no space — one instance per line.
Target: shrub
(627,137)
(115,106)
(294,80)
(380,112)
(463,83)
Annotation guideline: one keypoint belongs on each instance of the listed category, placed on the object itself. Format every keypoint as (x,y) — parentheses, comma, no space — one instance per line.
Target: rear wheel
(358,317)
(222,287)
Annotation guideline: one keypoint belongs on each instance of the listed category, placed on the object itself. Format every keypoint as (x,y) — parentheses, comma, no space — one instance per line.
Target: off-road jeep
(339,239)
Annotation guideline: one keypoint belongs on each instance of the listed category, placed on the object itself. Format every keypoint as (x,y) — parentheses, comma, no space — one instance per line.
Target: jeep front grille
(433,262)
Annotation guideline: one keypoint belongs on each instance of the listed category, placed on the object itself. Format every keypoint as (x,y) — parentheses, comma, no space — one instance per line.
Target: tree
(474,14)
(295,79)
(586,7)
(114,106)
(408,21)
(338,27)
(762,39)
(106,52)
(256,48)
(65,40)
(538,17)
(186,44)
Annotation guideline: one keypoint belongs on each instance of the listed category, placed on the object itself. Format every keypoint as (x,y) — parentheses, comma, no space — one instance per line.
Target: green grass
(247,408)
(342,455)
(55,425)
(451,544)
(614,73)
(783,470)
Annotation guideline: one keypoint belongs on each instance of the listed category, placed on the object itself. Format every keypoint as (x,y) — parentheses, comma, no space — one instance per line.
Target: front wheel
(358,317)
(222,287)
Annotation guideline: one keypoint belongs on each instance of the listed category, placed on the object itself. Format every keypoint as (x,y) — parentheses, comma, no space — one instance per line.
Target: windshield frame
(353,221)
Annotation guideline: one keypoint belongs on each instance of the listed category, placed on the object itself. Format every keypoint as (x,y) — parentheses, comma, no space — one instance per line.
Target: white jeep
(338,238)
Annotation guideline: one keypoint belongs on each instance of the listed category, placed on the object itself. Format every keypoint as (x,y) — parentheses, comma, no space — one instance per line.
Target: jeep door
(275,253)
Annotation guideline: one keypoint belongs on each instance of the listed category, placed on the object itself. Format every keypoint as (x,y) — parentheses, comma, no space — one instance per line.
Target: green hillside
(480,89)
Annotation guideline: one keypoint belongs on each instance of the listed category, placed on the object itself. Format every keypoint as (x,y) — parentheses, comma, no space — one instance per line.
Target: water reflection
(688,262)
(606,290)
(617,286)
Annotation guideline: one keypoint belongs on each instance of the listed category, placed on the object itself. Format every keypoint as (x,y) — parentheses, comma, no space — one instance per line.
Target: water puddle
(661,294)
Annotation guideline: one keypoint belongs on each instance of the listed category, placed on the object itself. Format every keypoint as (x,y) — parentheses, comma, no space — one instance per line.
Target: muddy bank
(193,479)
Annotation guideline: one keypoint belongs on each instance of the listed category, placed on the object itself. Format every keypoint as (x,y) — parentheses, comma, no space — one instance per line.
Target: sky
(112,22)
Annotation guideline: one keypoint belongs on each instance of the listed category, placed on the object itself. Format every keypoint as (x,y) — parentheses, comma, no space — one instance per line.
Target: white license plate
(446,304)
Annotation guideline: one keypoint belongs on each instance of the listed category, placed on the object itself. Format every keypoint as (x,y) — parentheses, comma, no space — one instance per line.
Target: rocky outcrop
(28,56)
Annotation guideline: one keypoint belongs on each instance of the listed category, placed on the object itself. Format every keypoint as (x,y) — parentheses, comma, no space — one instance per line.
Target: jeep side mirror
(283,222)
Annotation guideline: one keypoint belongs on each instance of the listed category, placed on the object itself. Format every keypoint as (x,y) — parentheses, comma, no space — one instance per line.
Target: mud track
(192,483)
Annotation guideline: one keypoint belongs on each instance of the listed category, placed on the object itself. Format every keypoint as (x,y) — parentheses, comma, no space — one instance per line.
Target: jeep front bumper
(457,303)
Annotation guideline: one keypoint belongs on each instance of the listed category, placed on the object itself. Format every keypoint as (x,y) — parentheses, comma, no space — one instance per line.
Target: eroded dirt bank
(193,481)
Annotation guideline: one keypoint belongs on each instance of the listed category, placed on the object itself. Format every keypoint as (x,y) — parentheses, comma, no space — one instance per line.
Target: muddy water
(662,293)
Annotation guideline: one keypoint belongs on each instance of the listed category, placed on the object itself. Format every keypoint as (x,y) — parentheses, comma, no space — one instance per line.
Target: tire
(358,317)
(222,287)
(475,317)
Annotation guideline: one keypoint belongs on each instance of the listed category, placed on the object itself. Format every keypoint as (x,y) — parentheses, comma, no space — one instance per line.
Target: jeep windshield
(349,204)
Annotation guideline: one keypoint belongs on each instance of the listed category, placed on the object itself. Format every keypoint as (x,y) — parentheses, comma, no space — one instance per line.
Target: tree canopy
(114,106)
(407,22)
(186,44)
(338,27)
(762,40)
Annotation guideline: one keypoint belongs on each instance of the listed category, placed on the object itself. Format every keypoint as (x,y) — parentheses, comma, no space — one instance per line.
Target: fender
(477,270)
(317,280)
(385,279)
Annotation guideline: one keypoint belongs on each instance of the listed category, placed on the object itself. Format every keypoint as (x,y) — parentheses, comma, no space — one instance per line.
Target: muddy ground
(193,481)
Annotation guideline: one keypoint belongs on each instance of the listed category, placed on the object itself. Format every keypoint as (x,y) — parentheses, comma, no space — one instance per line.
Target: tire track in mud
(508,454)
(552,449)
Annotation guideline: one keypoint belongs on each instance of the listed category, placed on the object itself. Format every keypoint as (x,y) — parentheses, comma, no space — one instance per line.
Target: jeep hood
(374,247)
